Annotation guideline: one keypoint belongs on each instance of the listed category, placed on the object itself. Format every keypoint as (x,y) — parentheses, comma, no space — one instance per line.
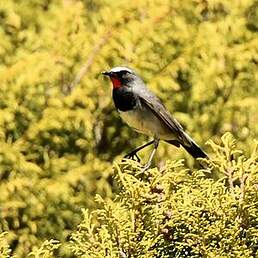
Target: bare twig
(242,196)
(85,67)
(229,173)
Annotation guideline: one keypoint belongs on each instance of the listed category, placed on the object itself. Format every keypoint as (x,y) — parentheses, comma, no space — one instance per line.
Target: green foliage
(46,250)
(59,131)
(4,247)
(173,212)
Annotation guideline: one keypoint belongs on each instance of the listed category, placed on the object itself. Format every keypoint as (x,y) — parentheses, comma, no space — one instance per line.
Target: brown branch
(229,174)
(242,196)
(85,67)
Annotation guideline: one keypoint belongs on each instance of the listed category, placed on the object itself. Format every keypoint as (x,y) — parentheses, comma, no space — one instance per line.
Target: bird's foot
(132,155)
(146,167)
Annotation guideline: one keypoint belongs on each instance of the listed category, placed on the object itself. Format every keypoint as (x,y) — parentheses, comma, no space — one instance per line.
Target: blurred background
(59,131)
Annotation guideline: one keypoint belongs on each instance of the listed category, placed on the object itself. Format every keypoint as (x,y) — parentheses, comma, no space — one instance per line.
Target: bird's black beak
(106,73)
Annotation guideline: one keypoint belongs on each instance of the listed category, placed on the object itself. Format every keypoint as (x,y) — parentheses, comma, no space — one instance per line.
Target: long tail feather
(195,150)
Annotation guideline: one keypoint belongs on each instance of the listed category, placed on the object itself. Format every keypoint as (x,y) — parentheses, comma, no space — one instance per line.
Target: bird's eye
(123,73)
(126,72)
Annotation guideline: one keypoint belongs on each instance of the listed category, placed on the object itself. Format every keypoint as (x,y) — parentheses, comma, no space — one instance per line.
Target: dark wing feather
(150,101)
(184,139)
(154,104)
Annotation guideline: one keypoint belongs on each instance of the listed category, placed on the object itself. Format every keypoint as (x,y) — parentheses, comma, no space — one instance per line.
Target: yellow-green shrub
(176,212)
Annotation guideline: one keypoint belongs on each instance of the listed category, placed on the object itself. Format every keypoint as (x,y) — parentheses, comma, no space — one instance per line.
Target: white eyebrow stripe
(121,68)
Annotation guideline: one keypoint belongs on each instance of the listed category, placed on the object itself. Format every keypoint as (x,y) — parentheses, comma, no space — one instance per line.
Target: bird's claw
(145,167)
(132,155)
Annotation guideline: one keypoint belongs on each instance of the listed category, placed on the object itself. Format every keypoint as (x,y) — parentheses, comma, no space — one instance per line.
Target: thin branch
(229,173)
(85,67)
(242,196)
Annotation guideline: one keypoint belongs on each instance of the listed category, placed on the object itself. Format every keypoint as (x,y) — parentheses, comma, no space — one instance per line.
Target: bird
(143,111)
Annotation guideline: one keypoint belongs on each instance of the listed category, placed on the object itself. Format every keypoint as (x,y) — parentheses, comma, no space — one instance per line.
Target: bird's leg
(156,144)
(133,153)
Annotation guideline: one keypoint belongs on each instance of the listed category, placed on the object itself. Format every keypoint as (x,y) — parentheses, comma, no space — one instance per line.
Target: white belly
(146,122)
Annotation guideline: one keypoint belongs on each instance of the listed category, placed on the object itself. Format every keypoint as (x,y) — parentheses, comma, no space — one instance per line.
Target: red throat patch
(116,82)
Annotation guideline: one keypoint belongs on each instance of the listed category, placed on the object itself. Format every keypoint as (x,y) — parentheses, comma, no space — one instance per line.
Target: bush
(4,247)
(175,212)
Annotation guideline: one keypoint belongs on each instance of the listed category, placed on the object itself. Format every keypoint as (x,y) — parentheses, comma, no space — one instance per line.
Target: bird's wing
(164,116)
(150,101)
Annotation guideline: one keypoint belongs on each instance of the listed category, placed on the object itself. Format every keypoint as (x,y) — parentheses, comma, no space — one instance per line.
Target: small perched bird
(146,114)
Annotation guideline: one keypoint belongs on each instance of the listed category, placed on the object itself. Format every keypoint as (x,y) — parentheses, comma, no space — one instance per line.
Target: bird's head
(121,76)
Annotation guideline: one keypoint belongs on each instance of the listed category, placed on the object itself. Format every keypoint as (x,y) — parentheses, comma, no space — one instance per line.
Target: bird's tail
(194,150)
(190,146)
